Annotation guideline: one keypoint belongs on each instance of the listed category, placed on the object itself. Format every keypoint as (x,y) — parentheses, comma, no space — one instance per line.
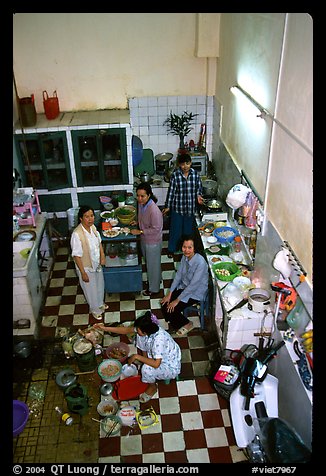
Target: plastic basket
(225,229)
(233,269)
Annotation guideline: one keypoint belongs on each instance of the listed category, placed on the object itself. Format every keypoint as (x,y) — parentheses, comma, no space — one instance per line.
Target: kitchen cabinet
(123,268)
(44,160)
(100,156)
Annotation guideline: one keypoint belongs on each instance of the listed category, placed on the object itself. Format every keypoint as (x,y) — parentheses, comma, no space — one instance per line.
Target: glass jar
(112,250)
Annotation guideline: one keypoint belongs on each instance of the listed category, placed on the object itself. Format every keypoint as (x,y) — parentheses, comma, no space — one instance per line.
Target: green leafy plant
(180,125)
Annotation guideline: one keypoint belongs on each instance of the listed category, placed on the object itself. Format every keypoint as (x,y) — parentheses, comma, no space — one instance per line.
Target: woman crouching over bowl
(159,353)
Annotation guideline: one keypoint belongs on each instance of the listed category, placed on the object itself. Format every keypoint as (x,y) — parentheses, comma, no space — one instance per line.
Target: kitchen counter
(21,264)
(30,277)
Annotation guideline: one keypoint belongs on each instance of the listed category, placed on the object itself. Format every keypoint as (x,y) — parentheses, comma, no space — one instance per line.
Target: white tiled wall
(147,115)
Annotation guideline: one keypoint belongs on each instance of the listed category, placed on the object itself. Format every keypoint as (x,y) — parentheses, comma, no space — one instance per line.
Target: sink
(20,259)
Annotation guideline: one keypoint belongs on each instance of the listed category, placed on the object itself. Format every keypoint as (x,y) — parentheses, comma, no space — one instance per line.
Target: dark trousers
(179,225)
(176,318)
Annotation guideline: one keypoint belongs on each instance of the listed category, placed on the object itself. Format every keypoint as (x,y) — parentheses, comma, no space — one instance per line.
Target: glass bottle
(65,417)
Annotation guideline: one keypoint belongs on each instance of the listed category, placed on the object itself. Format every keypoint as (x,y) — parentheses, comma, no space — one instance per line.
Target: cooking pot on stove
(258,299)
(144,177)
(209,187)
(213,204)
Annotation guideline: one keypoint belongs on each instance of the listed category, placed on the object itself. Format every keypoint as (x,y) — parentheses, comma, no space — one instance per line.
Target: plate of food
(107,407)
(111,233)
(106,215)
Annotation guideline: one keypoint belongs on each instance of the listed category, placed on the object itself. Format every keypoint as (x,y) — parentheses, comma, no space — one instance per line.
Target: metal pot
(209,188)
(23,349)
(213,205)
(162,162)
(258,299)
(144,177)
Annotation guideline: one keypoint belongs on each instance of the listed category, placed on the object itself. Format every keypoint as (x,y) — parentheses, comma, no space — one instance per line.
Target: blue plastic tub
(20,416)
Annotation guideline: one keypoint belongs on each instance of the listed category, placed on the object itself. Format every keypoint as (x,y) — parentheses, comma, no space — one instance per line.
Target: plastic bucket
(72,214)
(27,111)
(51,105)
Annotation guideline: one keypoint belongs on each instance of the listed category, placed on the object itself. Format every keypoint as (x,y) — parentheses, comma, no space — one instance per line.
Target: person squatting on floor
(188,287)
(159,353)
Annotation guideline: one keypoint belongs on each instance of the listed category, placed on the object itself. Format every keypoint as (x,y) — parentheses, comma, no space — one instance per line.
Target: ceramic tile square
(186,387)
(192,421)
(216,437)
(80,299)
(131,445)
(80,319)
(173,441)
(66,309)
(60,265)
(127,306)
(57,283)
(198,456)
(49,321)
(169,405)
(226,417)
(153,458)
(208,402)
(53,300)
(69,291)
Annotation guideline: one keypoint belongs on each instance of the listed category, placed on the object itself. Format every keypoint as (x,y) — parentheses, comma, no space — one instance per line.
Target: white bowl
(211,240)
(107,407)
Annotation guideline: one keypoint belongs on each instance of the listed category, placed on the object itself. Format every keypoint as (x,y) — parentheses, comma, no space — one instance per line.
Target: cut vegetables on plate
(111,233)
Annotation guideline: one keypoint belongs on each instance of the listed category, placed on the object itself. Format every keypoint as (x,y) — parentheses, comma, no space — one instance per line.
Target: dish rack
(26,202)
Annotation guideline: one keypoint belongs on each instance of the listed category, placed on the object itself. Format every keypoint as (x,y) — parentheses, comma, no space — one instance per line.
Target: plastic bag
(237,196)
(281,442)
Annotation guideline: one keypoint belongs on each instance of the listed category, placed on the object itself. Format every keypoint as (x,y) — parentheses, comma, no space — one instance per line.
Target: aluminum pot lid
(65,378)
(106,389)
(164,157)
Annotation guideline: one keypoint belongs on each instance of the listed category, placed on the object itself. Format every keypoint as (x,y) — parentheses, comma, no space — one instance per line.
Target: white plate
(111,233)
(211,239)
(106,215)
(26,236)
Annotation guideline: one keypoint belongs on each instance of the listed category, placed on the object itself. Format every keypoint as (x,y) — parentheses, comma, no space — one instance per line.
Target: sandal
(144,397)
(104,306)
(183,331)
(97,316)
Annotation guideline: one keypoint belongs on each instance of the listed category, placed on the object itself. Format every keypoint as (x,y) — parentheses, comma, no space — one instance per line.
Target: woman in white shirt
(89,257)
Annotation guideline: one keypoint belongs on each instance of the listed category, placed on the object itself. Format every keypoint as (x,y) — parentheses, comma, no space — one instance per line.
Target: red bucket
(51,105)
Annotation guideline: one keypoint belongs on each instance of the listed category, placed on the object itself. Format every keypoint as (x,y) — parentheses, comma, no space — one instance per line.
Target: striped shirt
(183,192)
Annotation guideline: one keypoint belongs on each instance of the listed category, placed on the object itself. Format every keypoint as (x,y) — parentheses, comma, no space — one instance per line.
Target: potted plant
(180,126)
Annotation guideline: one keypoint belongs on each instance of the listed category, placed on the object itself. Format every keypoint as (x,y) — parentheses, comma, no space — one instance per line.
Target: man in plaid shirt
(185,190)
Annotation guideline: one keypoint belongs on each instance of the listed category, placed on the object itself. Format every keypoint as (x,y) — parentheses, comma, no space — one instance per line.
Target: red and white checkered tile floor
(194,424)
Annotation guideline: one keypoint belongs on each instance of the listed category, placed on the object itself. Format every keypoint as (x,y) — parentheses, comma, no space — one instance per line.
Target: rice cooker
(258,299)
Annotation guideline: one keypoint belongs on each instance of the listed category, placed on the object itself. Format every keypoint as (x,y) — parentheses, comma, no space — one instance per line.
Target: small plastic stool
(167,381)
(202,308)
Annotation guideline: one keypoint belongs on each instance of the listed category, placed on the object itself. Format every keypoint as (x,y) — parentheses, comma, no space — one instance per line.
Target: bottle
(252,244)
(237,254)
(237,244)
(15,224)
(65,417)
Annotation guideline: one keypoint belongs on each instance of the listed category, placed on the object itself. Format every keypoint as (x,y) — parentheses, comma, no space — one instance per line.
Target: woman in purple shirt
(150,222)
